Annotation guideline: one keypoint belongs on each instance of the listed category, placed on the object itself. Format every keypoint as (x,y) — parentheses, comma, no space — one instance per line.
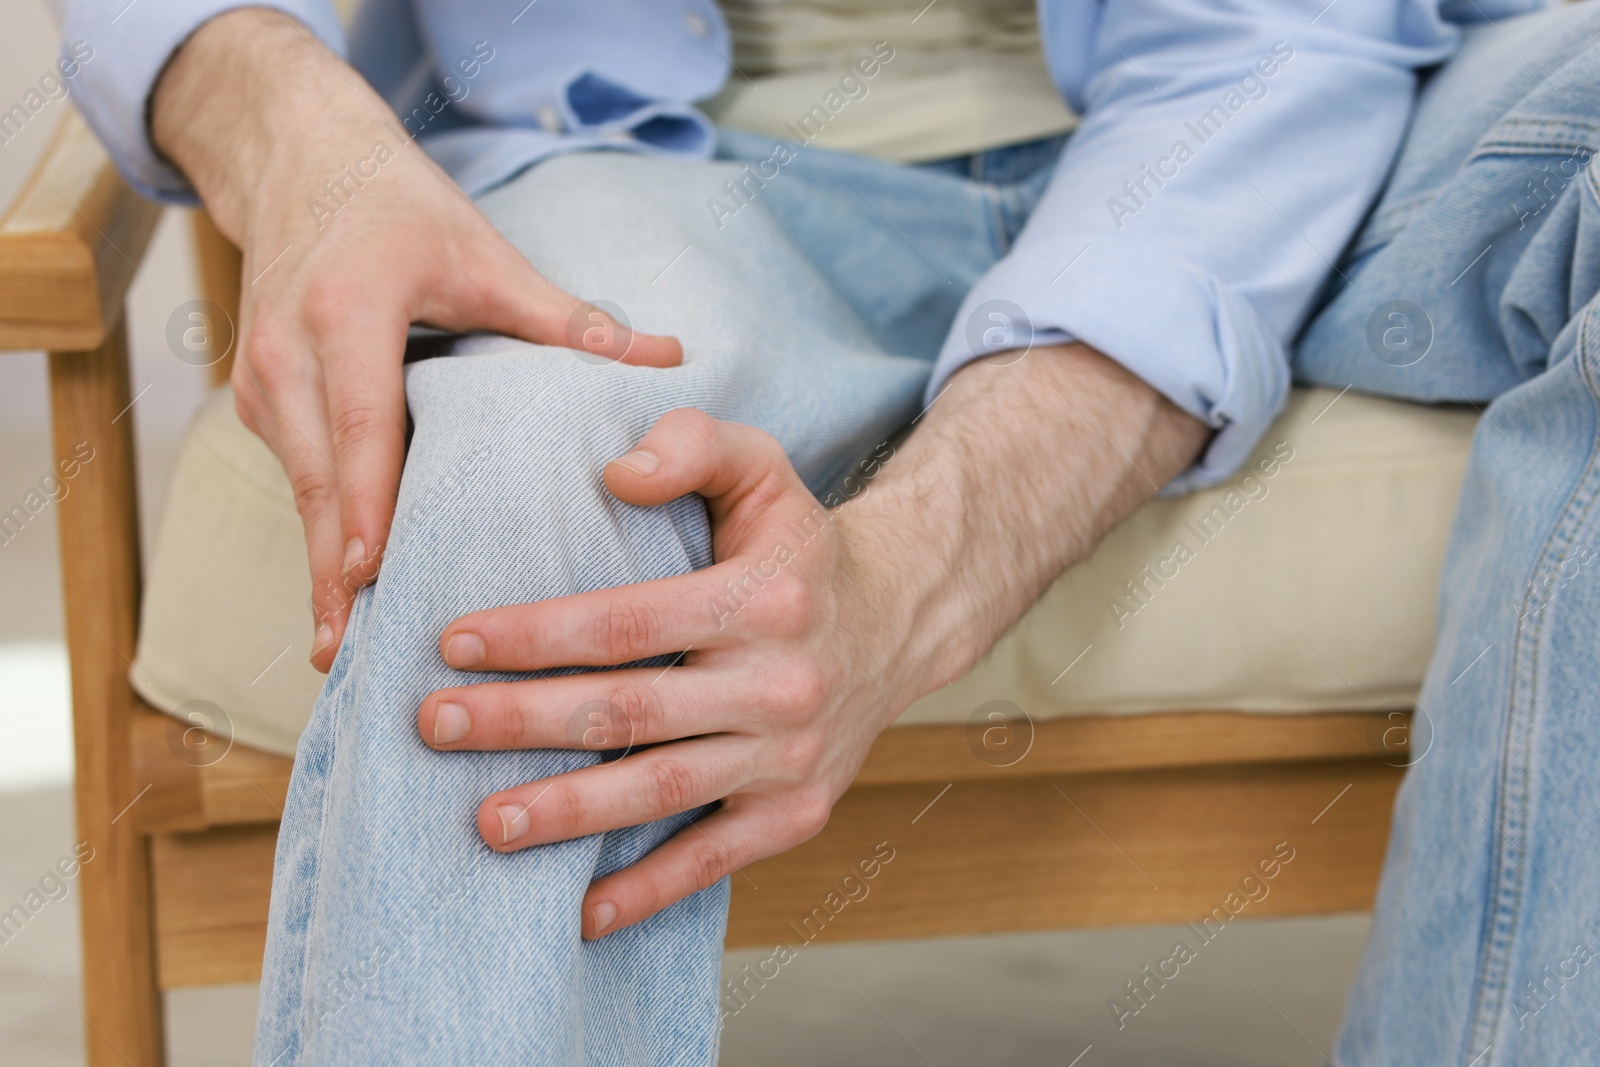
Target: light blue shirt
(1227,152)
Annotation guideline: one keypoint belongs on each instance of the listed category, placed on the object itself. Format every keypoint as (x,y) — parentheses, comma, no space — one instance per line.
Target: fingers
(602,628)
(608,796)
(359,349)
(687,451)
(507,295)
(697,857)
(600,711)
(294,424)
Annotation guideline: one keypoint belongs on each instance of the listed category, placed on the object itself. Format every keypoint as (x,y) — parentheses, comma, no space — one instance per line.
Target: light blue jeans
(815,312)
(1475,282)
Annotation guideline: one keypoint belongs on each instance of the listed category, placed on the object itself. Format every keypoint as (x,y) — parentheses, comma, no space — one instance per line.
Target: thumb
(688,451)
(509,296)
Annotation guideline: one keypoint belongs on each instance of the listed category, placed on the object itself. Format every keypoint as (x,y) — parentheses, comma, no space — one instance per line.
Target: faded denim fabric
(815,312)
(1486,244)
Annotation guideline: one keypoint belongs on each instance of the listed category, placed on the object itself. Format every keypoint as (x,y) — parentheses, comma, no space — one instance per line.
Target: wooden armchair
(1163,814)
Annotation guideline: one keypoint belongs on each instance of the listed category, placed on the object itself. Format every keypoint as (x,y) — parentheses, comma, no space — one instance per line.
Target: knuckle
(801,690)
(810,815)
(264,356)
(709,864)
(355,424)
(790,604)
(638,713)
(695,421)
(514,725)
(627,629)
(327,304)
(765,442)
(313,492)
(674,785)
(801,754)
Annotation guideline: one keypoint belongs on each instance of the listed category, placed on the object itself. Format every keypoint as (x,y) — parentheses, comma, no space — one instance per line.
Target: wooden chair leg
(93,430)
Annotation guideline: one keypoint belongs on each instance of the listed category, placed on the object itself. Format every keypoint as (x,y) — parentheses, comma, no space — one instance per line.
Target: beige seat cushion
(1306,584)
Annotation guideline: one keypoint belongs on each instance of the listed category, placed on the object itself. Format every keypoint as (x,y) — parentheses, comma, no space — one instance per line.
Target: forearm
(1012,476)
(253,98)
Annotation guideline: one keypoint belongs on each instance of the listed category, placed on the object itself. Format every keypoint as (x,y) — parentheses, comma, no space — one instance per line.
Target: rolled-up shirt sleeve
(129,44)
(1226,155)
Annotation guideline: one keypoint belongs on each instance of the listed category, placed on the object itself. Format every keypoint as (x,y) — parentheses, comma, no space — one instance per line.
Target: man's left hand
(794,665)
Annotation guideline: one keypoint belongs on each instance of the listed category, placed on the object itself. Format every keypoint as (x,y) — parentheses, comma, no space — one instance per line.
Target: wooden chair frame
(1106,820)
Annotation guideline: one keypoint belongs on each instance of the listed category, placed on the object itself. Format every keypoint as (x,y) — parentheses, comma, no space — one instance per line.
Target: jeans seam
(1510,876)
(992,195)
(1535,137)
(314,890)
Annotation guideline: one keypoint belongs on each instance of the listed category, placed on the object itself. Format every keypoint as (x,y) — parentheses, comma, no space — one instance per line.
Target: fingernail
(640,461)
(513,822)
(465,650)
(323,638)
(603,914)
(450,723)
(355,550)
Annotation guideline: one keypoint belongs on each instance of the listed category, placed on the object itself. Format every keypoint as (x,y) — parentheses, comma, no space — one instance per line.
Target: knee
(502,496)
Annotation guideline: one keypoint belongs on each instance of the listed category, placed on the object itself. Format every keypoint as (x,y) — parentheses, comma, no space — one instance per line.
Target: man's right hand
(259,116)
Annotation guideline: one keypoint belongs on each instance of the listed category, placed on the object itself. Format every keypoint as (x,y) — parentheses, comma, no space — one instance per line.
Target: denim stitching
(314,889)
(1538,135)
(1510,873)
(996,216)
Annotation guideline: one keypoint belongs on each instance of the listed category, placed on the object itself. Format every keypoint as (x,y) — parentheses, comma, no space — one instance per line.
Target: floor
(1028,999)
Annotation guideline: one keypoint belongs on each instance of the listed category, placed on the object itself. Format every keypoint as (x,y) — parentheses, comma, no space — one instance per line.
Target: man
(1064,342)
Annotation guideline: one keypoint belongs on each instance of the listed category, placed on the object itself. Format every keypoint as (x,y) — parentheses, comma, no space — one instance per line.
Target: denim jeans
(814,311)
(1475,282)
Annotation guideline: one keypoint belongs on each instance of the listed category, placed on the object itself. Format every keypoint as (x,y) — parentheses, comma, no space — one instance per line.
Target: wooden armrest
(69,246)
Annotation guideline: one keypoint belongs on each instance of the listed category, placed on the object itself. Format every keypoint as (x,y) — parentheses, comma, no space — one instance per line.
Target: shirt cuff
(1189,336)
(130,45)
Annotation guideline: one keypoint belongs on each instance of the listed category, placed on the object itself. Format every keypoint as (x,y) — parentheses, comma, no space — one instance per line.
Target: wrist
(246,102)
(1014,475)
(902,549)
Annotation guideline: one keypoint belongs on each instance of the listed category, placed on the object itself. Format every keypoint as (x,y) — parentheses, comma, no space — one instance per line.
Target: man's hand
(812,630)
(350,234)
(790,677)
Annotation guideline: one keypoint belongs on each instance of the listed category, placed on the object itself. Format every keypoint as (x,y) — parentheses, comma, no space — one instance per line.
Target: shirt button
(697,22)
(550,118)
